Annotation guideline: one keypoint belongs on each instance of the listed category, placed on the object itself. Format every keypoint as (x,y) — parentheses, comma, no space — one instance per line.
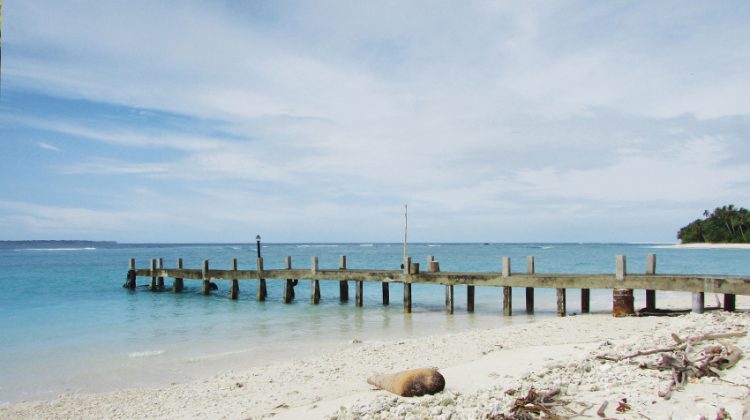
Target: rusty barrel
(622,302)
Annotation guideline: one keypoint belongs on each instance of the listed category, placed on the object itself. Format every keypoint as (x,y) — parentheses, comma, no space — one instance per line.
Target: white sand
(479,366)
(707,246)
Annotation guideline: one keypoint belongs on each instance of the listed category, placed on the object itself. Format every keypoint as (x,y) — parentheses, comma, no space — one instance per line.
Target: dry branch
(682,364)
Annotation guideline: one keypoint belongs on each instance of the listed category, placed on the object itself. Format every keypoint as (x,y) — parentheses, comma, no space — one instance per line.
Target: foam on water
(147,353)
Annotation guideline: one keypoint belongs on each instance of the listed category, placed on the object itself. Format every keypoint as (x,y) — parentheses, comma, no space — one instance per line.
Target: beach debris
(600,411)
(684,362)
(622,406)
(722,414)
(533,405)
(410,383)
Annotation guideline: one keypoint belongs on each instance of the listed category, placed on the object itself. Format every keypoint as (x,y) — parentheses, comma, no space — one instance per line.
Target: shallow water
(69,326)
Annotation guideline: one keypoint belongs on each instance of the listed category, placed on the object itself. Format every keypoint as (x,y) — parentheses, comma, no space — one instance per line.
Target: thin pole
(406,225)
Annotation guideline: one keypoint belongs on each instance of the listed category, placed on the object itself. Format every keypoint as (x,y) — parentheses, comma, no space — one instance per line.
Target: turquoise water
(69,326)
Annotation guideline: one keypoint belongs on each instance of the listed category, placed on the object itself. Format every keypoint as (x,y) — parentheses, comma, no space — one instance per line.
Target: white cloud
(691,171)
(477,112)
(47,146)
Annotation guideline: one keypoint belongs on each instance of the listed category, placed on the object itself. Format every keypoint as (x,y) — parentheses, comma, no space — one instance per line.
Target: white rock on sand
(479,367)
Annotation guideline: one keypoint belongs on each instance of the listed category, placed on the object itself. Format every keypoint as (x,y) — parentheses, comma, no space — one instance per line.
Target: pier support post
(585,301)
(449,299)
(206,278)
(343,284)
(729,303)
(470,298)
(530,290)
(359,293)
(234,291)
(178,283)
(261,294)
(130,280)
(698,302)
(289,286)
(622,299)
(561,303)
(386,293)
(152,286)
(407,285)
(160,279)
(407,297)
(315,289)
(434,267)
(507,290)
(650,270)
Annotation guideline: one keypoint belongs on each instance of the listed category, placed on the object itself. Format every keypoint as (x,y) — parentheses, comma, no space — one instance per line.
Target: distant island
(726,224)
(55,244)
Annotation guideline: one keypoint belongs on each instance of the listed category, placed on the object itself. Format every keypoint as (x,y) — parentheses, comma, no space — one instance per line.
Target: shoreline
(700,245)
(479,365)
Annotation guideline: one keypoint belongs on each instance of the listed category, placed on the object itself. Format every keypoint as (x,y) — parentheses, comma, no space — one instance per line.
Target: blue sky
(156,121)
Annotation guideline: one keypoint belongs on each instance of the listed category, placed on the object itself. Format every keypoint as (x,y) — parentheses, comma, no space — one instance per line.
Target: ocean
(68,326)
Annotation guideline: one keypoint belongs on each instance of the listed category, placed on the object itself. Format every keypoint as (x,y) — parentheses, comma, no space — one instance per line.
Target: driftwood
(534,405)
(410,383)
(600,411)
(684,363)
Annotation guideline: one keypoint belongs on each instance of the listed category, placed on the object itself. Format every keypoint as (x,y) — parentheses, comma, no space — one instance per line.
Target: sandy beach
(482,368)
(708,246)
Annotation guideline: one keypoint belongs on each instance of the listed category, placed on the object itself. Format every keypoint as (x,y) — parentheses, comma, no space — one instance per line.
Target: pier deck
(620,281)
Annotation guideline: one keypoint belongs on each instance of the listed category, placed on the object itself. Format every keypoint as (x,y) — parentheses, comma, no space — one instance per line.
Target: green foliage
(726,224)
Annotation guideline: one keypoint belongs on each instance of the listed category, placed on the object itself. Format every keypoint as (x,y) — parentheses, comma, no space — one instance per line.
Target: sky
(195,121)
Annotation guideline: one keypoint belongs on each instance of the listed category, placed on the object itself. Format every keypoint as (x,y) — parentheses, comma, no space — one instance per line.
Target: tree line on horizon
(726,224)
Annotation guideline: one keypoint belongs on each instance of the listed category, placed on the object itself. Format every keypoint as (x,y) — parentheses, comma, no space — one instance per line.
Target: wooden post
(434,267)
(160,279)
(698,302)
(729,303)
(620,268)
(386,292)
(650,270)
(470,298)
(206,278)
(407,285)
(407,297)
(530,290)
(234,291)
(315,289)
(130,280)
(358,288)
(449,298)
(561,305)
(622,299)
(507,290)
(343,284)
(152,286)
(178,283)
(289,286)
(585,301)
(414,268)
(261,294)
(359,293)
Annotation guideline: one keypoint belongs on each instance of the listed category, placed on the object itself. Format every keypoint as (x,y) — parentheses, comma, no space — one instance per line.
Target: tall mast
(406,225)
